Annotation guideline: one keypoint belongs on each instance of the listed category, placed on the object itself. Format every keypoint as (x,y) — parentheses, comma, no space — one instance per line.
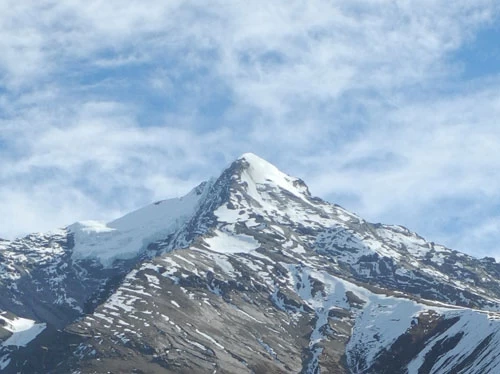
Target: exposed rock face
(247,274)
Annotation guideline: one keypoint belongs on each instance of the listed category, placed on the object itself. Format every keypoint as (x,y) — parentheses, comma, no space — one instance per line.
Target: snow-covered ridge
(383,321)
(127,236)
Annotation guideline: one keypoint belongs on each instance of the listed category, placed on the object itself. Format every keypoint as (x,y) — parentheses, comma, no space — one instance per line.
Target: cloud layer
(107,105)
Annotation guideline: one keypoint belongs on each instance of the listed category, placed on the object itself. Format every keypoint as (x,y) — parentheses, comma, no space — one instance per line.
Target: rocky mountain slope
(246,274)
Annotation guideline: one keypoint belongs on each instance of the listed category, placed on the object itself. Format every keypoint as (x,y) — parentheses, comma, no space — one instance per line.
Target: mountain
(248,273)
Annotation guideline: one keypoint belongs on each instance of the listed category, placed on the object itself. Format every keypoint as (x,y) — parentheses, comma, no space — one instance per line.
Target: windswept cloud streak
(105,106)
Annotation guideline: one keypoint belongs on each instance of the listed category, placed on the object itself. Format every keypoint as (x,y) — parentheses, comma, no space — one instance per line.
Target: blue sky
(389,108)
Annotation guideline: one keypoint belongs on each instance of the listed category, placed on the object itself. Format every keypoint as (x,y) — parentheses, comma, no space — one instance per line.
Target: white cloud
(112,105)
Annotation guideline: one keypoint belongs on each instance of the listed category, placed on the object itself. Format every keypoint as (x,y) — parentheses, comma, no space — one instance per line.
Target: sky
(390,108)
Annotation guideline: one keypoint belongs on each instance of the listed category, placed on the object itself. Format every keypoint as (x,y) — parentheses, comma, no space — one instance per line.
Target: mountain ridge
(249,273)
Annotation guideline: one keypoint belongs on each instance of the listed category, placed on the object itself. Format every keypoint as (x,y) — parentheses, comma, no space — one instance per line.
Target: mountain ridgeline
(248,273)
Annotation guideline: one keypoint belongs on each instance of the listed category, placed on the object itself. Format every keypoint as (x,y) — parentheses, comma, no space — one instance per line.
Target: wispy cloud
(105,106)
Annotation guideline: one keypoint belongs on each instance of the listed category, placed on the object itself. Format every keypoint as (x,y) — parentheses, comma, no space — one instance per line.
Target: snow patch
(224,242)
(23,331)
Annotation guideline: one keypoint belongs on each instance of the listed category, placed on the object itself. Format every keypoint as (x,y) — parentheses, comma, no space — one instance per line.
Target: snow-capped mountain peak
(257,171)
(247,273)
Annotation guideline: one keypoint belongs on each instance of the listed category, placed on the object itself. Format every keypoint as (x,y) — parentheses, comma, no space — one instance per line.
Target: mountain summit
(248,273)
